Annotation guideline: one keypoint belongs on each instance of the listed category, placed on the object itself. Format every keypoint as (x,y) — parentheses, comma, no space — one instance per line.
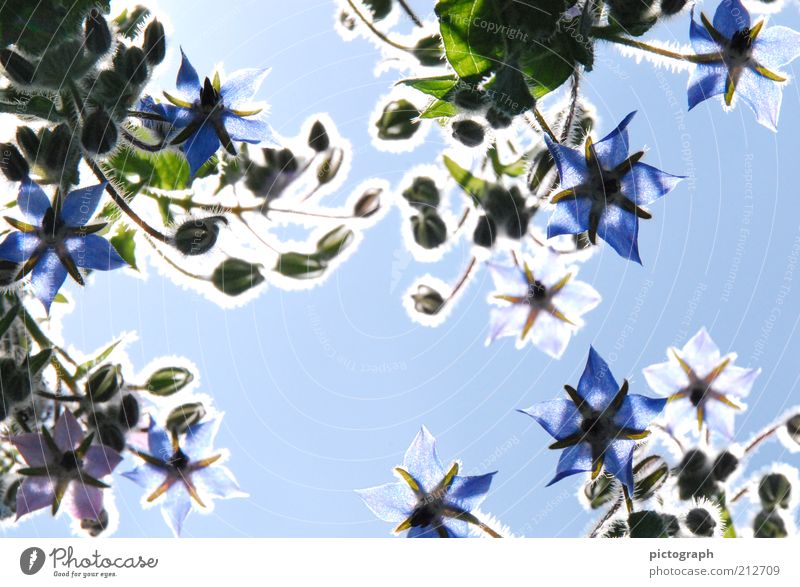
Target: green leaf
(471,50)
(130,23)
(473,186)
(439,109)
(84,368)
(39,361)
(8,318)
(438,86)
(124,243)
(168,380)
(513,169)
(165,170)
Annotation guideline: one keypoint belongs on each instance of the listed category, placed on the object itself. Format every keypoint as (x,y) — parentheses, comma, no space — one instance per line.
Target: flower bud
(616,529)
(485,232)
(318,137)
(368,204)
(429,51)
(168,380)
(672,525)
(129,411)
(670,7)
(427,300)
(399,121)
(111,435)
(769,524)
(647,524)
(724,465)
(429,229)
(599,491)
(422,193)
(12,163)
(379,8)
(16,385)
(700,522)
(334,242)
(95,527)
(99,133)
(468,133)
(233,276)
(498,119)
(774,491)
(56,146)
(793,428)
(104,383)
(300,265)
(134,65)
(184,417)
(96,33)
(155,43)
(28,141)
(469,98)
(18,69)
(198,236)
(330,166)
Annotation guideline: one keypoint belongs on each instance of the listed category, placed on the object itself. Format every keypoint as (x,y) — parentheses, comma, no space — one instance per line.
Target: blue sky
(323,390)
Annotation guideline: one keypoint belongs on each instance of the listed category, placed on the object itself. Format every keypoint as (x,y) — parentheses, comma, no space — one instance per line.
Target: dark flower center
(209,96)
(71,461)
(536,291)
(697,394)
(179,460)
(741,42)
(424,515)
(51,226)
(596,429)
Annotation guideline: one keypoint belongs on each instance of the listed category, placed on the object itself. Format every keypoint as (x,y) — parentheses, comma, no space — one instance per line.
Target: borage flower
(428,501)
(698,379)
(56,240)
(737,58)
(65,463)
(178,477)
(598,426)
(541,302)
(205,116)
(603,191)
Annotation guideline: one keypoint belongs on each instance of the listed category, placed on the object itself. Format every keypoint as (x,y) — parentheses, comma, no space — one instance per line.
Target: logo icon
(31,560)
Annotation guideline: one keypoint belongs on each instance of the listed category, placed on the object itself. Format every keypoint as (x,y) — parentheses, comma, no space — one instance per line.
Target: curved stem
(174,265)
(382,36)
(411,14)
(461,281)
(761,437)
(603,33)
(123,205)
(608,515)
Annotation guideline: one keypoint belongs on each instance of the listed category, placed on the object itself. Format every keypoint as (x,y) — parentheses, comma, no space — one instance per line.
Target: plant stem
(601,522)
(382,36)
(603,33)
(404,5)
(174,265)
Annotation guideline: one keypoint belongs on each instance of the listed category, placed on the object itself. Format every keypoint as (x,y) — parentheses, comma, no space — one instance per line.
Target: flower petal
(559,417)
(201,146)
(731,16)
(570,162)
(422,461)
(644,184)
(720,418)
(706,81)
(619,461)
(175,506)
(762,95)
(776,46)
(92,251)
(68,433)
(679,415)
(575,459)
(700,38)
(33,449)
(468,493)
(79,205)
(48,276)
(736,381)
(423,532)
(247,130)
(550,334)
(701,353)
(638,411)
(392,502)
(665,378)
(507,321)
(508,279)
(34,494)
(19,246)
(85,501)
(597,384)
(570,216)
(159,442)
(199,441)
(620,229)
(188,81)
(242,85)
(576,298)
(100,461)
(217,481)
(612,149)
(146,476)
(32,201)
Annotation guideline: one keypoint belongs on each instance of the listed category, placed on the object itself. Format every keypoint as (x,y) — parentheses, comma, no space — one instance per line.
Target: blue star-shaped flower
(699,379)
(180,476)
(206,115)
(598,426)
(428,501)
(735,57)
(603,191)
(56,239)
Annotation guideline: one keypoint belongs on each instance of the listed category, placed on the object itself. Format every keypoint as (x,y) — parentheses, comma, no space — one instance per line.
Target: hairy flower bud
(234,276)
(318,137)
(185,416)
(429,229)
(700,522)
(97,33)
(429,51)
(129,411)
(398,121)
(774,491)
(12,163)
(18,69)
(368,204)
(198,236)
(470,98)
(99,134)
(104,383)
(468,132)
(724,466)
(133,65)
(155,43)
(498,119)
(485,232)
(769,524)
(670,7)
(793,428)
(28,142)
(422,193)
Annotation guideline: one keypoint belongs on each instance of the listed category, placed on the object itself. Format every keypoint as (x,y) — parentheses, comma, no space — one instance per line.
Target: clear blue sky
(324,390)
